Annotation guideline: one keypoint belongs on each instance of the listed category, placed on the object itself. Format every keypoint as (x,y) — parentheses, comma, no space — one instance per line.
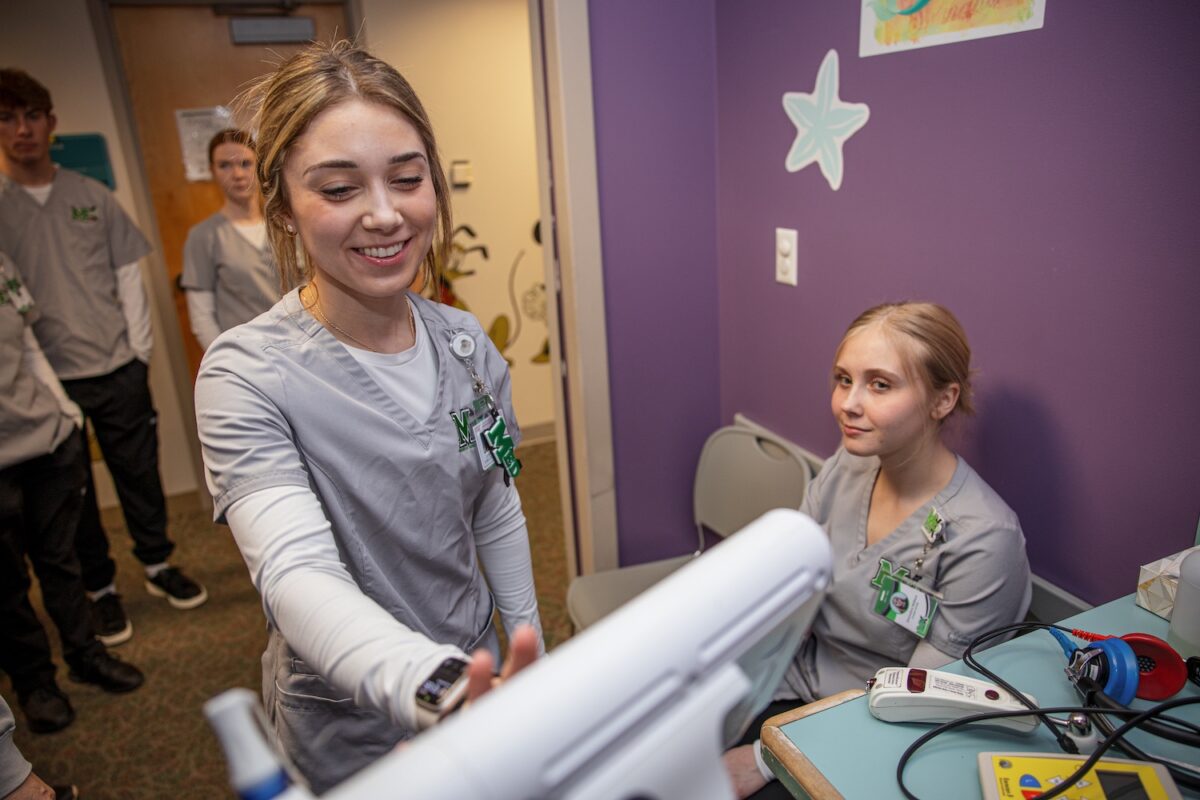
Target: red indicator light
(916,681)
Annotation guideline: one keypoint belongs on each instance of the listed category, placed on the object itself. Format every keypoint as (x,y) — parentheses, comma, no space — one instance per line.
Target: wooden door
(178,57)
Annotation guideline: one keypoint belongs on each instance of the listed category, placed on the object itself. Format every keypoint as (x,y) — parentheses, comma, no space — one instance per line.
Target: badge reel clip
(462,345)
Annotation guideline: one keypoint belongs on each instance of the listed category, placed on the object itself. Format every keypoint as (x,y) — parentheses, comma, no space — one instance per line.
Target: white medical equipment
(909,694)
(641,704)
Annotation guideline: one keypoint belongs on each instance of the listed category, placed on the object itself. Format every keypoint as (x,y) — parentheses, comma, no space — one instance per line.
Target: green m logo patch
(886,575)
(462,426)
(502,446)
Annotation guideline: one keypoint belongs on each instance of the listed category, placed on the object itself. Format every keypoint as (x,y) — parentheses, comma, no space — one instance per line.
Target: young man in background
(80,255)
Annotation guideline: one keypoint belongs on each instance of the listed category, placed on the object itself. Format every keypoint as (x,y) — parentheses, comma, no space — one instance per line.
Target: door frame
(570,221)
(168,336)
(572,263)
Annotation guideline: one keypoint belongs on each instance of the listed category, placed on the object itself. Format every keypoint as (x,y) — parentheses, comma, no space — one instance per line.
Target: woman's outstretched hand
(522,651)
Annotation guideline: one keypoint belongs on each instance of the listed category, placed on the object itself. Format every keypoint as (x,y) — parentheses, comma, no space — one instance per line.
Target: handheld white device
(909,694)
(643,703)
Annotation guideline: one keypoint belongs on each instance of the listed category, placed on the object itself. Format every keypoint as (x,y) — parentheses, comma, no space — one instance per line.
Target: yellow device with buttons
(1021,776)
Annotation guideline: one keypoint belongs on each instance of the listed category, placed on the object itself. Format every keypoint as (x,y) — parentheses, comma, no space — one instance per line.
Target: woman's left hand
(522,651)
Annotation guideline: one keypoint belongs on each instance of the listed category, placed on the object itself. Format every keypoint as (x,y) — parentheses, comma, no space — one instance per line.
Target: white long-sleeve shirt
(131,291)
(310,597)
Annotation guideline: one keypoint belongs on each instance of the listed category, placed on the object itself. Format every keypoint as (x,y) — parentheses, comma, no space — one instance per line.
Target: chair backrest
(742,474)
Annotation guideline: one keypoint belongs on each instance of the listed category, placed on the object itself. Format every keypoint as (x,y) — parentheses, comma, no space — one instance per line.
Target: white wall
(54,42)
(469,61)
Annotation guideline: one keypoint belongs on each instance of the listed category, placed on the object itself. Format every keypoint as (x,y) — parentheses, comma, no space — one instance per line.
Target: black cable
(1180,774)
(1168,728)
(1185,776)
(1064,742)
(1128,747)
(1187,732)
(1094,697)
(1100,703)
(1132,751)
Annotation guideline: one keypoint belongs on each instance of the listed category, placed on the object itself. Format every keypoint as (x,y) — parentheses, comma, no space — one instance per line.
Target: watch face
(435,687)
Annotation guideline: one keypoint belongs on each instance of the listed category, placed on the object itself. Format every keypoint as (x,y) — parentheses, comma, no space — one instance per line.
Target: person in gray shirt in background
(80,254)
(229,273)
(42,466)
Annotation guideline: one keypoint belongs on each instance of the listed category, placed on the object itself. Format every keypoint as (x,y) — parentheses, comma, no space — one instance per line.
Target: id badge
(906,605)
(487,459)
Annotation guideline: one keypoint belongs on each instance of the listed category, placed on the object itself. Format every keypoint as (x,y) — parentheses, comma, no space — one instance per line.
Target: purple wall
(653,79)
(1043,185)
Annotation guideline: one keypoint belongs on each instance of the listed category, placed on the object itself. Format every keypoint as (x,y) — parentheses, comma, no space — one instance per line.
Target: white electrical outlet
(785,256)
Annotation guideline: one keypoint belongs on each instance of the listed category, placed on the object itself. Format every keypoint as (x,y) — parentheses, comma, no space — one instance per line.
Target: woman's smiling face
(360,196)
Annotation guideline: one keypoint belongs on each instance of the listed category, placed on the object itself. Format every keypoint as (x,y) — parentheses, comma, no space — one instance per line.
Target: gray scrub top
(218,259)
(32,423)
(281,402)
(70,249)
(979,566)
(14,769)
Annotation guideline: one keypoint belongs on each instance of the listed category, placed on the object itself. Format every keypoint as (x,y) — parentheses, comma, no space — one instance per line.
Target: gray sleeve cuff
(14,769)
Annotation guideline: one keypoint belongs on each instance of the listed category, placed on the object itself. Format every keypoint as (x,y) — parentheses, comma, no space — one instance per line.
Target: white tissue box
(1157,582)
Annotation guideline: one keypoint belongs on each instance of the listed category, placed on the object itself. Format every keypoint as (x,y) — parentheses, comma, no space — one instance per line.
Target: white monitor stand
(641,705)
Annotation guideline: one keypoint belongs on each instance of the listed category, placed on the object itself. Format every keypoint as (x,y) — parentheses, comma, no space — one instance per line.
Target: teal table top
(858,753)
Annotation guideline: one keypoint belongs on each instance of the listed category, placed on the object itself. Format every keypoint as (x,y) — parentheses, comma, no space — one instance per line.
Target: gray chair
(741,475)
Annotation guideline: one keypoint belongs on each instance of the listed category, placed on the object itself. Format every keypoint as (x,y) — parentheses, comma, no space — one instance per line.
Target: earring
(290,230)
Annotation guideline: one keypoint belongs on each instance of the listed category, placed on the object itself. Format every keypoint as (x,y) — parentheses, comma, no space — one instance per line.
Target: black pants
(40,501)
(122,414)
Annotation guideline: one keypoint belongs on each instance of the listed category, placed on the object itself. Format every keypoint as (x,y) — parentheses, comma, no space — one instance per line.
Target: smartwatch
(442,692)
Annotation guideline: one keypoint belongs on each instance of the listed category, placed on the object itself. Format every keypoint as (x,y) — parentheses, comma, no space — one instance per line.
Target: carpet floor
(154,743)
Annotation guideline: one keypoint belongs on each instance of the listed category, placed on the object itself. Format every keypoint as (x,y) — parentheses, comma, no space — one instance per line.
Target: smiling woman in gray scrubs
(357,437)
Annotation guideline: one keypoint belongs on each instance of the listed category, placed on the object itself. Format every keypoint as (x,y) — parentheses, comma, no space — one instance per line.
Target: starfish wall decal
(823,123)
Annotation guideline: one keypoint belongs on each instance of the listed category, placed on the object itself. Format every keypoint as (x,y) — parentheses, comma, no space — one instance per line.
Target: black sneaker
(65,792)
(109,621)
(180,590)
(106,671)
(46,708)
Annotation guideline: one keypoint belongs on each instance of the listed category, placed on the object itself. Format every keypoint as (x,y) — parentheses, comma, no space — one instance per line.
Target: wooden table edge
(795,763)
